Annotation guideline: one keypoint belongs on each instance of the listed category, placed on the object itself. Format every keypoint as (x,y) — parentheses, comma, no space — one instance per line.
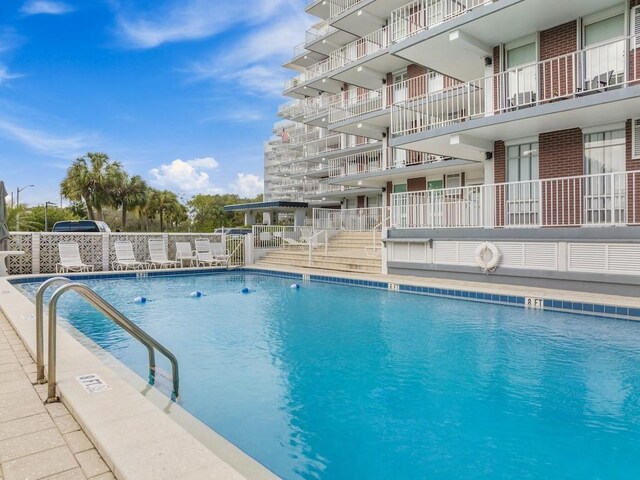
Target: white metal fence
(352,219)
(585,72)
(604,199)
(275,236)
(97,249)
(378,160)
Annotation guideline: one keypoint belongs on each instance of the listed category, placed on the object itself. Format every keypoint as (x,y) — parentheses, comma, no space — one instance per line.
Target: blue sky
(182,92)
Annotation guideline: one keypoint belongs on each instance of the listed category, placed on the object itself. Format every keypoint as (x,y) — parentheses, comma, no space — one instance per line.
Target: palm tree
(90,179)
(129,193)
(163,201)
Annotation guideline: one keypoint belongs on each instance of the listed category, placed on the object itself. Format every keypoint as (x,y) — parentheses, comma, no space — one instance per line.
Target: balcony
(323,38)
(303,58)
(611,199)
(599,83)
(433,32)
(376,167)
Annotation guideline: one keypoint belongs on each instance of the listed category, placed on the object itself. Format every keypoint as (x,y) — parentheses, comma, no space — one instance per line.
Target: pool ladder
(109,311)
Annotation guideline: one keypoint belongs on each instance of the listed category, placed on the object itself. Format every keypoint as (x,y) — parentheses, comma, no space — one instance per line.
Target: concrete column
(249,218)
(298,217)
(35,253)
(248,249)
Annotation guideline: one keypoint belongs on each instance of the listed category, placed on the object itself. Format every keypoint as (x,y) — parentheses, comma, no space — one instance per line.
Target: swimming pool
(332,381)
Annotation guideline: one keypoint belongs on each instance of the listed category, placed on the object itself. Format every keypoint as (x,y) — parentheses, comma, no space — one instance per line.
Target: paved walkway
(38,441)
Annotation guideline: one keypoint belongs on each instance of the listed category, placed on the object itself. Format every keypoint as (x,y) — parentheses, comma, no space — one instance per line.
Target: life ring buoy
(487,264)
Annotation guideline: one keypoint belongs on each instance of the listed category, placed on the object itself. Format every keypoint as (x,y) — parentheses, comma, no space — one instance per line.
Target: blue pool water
(339,382)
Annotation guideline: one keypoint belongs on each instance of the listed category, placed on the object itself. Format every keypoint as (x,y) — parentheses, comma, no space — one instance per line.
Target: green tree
(129,193)
(32,218)
(91,179)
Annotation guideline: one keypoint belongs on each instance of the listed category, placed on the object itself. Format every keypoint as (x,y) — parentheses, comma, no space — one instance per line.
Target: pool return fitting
(105,308)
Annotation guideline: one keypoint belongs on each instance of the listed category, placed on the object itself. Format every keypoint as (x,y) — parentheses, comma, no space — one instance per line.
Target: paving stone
(19,405)
(104,476)
(57,409)
(40,465)
(66,424)
(74,474)
(29,444)
(78,441)
(10,367)
(25,425)
(91,463)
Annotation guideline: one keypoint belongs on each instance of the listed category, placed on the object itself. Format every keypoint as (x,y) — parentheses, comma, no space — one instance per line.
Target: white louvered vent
(467,253)
(541,256)
(445,252)
(511,254)
(636,137)
(587,257)
(635,27)
(624,259)
(418,252)
(400,252)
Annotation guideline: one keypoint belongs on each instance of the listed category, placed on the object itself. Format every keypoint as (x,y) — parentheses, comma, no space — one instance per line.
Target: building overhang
(330,42)
(471,139)
(368,16)
(380,178)
(305,60)
(276,205)
(371,125)
(370,71)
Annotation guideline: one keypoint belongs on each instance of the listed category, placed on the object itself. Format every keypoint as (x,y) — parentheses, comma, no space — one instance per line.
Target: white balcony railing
(318,31)
(336,7)
(322,145)
(352,219)
(378,160)
(369,101)
(421,15)
(360,48)
(585,72)
(604,200)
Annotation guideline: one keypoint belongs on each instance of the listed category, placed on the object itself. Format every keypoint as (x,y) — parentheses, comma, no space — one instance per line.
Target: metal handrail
(40,325)
(231,255)
(311,245)
(380,225)
(111,312)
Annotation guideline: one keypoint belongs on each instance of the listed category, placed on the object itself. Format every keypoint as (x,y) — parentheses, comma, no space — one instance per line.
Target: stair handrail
(120,319)
(311,243)
(379,226)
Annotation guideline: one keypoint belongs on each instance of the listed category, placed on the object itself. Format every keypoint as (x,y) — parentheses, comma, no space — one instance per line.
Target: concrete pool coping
(140,433)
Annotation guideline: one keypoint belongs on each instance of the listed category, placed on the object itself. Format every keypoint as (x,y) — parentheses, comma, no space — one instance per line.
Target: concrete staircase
(347,252)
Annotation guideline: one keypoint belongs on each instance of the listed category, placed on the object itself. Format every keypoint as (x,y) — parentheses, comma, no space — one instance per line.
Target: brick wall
(499,176)
(561,153)
(558,75)
(389,190)
(496,69)
(361,201)
(416,184)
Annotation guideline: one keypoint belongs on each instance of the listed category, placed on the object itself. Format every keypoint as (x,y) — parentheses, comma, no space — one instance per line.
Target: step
(322,265)
(344,260)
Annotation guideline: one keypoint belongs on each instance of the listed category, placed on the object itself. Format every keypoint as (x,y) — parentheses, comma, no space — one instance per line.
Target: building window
(605,185)
(522,73)
(522,192)
(635,139)
(400,188)
(603,63)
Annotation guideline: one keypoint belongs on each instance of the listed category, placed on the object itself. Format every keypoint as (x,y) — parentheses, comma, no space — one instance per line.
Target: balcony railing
(318,31)
(336,7)
(367,102)
(585,72)
(322,187)
(322,145)
(421,15)
(595,200)
(377,161)
(351,219)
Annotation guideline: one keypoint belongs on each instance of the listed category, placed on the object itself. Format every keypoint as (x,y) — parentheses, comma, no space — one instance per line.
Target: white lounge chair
(125,258)
(185,254)
(70,260)
(158,255)
(219,251)
(204,255)
(290,242)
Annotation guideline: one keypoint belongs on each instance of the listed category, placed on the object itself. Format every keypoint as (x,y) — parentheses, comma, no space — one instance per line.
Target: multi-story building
(513,122)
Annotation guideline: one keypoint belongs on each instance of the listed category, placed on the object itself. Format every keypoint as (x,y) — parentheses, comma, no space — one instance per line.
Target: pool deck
(133,431)
(37,440)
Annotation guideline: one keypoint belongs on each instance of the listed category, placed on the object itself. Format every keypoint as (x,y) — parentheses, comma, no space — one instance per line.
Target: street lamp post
(46,218)
(18,190)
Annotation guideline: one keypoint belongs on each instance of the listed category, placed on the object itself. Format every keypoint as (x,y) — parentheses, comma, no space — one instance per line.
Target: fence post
(35,253)
(248,249)
(105,252)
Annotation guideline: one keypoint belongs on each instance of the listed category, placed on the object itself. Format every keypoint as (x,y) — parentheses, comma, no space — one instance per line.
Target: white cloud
(187,176)
(45,7)
(248,185)
(5,75)
(190,20)
(193,177)
(45,142)
(254,61)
